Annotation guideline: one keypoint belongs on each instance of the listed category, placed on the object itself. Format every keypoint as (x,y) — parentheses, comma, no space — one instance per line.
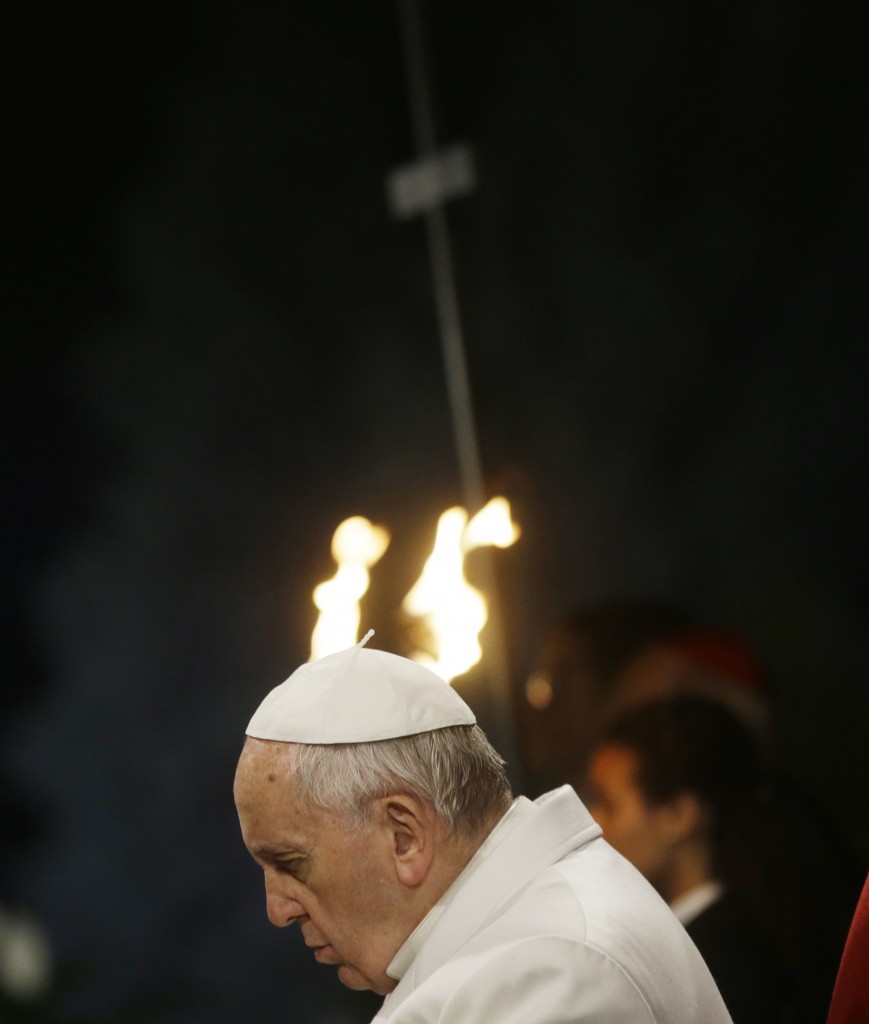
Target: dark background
(219,344)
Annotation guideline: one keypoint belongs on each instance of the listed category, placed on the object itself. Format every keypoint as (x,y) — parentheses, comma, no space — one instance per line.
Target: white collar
(405,956)
(691,905)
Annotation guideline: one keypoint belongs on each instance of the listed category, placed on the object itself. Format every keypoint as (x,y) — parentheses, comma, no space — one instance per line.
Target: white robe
(549,925)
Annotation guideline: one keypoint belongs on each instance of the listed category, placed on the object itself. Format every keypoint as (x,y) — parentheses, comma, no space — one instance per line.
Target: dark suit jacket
(740,961)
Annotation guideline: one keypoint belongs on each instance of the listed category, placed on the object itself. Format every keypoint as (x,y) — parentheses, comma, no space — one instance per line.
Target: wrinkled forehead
(272,814)
(264,790)
(264,778)
(262,765)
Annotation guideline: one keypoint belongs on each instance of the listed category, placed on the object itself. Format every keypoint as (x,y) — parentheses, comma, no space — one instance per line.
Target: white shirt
(691,904)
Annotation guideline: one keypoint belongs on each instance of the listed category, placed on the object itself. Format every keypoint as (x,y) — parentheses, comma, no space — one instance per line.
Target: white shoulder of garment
(536,980)
(551,924)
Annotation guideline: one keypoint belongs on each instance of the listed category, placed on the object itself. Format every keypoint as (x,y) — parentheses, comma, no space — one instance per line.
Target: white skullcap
(356,696)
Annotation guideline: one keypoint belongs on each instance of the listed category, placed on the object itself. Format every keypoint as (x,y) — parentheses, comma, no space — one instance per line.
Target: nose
(281,908)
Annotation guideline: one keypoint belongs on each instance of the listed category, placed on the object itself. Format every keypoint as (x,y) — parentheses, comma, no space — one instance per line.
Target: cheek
(371,900)
(623,828)
(638,840)
(357,904)
(602,817)
(368,923)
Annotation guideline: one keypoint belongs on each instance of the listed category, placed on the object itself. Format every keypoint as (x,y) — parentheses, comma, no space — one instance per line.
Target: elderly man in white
(384,823)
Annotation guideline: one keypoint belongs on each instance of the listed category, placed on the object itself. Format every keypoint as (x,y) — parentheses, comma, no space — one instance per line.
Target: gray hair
(455,770)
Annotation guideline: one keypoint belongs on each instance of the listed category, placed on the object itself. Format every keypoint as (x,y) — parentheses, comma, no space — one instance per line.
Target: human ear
(409,825)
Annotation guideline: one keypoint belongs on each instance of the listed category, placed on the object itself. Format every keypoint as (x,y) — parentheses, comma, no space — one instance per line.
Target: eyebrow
(277,853)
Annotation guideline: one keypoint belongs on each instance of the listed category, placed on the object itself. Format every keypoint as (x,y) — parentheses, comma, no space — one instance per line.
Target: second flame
(453,611)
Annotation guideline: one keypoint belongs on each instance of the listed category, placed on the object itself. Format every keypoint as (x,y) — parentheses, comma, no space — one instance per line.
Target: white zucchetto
(356,696)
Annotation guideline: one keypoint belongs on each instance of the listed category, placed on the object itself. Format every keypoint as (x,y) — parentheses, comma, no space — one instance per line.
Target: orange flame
(356,545)
(453,611)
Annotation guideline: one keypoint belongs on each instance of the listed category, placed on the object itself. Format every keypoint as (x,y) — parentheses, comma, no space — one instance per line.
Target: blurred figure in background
(600,659)
(673,786)
(712,663)
(570,690)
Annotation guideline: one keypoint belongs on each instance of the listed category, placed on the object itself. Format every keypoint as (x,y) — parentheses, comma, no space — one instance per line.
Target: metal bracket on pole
(423,187)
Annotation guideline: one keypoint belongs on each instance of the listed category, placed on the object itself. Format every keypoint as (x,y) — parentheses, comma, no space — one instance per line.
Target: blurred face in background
(640,831)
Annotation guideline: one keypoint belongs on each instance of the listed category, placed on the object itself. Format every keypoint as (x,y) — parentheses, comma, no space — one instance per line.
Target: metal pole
(455,364)
(440,254)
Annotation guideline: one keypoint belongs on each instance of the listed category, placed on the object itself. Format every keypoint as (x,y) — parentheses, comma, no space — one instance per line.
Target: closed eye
(285,860)
(294,867)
